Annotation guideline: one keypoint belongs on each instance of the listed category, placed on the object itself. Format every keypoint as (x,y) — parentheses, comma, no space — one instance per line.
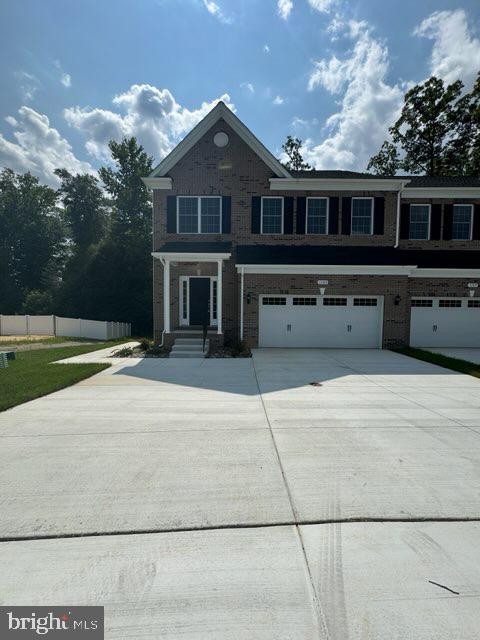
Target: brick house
(284,258)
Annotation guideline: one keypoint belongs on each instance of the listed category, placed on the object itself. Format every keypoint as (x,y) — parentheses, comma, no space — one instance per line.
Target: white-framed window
(462,221)
(271,215)
(362,217)
(420,221)
(199,214)
(317,216)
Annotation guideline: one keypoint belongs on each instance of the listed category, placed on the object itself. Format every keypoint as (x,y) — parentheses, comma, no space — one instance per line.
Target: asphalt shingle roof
(415,181)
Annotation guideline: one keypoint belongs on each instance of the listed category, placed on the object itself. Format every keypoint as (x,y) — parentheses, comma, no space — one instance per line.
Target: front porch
(190,289)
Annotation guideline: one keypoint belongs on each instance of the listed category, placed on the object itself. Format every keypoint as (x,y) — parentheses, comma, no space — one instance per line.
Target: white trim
(322,269)
(220,111)
(261,214)
(158,183)
(219,297)
(199,231)
(337,184)
(185,322)
(327,228)
(241,301)
(372,213)
(397,221)
(190,257)
(442,192)
(463,204)
(420,204)
(445,273)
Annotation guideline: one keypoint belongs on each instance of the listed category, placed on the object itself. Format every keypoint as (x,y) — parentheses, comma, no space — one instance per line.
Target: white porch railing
(59,326)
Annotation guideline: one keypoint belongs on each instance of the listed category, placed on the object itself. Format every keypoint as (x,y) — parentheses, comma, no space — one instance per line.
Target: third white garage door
(316,321)
(445,322)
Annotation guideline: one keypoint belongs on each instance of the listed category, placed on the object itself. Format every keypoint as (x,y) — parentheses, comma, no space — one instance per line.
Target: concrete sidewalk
(233,480)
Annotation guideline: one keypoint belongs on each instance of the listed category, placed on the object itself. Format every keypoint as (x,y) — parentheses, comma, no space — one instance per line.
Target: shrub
(145,344)
(126,352)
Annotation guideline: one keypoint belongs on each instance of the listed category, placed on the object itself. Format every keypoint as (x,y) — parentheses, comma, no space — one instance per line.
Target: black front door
(199,301)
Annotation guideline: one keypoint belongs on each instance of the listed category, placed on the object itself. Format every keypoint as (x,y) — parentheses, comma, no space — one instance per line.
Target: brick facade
(238,172)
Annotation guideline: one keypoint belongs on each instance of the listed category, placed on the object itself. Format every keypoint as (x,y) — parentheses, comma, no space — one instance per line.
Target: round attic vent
(220,139)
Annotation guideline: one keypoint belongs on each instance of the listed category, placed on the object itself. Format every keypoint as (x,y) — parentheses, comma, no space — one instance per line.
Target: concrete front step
(189,348)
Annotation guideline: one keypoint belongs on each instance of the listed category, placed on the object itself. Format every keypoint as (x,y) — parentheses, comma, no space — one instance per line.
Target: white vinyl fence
(58,326)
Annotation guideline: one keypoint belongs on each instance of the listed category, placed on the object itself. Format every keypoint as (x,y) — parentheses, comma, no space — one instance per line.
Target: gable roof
(220,111)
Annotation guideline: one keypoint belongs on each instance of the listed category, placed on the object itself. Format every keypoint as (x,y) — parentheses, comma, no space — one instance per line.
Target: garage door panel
(445,322)
(328,322)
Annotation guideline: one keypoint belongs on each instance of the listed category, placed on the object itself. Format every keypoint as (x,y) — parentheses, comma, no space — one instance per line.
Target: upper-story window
(202,214)
(419,221)
(362,216)
(272,215)
(317,215)
(462,222)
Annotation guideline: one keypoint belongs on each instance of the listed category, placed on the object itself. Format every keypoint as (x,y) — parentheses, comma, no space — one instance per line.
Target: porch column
(166,295)
(219,296)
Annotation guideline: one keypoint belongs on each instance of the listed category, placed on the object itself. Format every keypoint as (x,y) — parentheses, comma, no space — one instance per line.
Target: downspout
(241,304)
(397,229)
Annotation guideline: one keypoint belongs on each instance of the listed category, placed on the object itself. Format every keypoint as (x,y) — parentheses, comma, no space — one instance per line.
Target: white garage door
(316,321)
(445,322)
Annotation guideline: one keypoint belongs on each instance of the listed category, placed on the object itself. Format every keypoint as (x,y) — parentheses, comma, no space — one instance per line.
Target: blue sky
(75,74)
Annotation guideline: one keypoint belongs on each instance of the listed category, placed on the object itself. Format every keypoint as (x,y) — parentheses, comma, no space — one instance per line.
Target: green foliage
(437,133)
(145,344)
(386,162)
(292,148)
(38,303)
(125,352)
(32,238)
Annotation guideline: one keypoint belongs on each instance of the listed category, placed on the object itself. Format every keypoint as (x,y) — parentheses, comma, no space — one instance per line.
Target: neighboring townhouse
(282,258)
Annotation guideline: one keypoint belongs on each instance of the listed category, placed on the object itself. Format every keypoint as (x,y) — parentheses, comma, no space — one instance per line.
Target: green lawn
(462,366)
(4,344)
(31,375)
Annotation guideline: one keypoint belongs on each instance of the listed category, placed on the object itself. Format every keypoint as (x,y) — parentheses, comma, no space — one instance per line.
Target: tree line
(84,249)
(436,134)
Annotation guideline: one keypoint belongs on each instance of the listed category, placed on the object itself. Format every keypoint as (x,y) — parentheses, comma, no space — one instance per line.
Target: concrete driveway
(234,499)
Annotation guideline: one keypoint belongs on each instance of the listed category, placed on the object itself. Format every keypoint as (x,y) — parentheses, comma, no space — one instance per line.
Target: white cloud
(323,6)
(284,7)
(38,148)
(455,52)
(150,114)
(303,123)
(278,100)
(214,9)
(266,48)
(248,86)
(66,80)
(368,105)
(28,84)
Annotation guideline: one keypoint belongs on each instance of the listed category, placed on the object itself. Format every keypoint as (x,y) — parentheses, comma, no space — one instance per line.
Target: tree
(386,162)
(437,133)
(32,247)
(84,206)
(292,147)
(119,269)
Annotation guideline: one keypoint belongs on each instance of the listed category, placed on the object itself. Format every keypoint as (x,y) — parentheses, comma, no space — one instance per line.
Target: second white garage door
(445,322)
(316,321)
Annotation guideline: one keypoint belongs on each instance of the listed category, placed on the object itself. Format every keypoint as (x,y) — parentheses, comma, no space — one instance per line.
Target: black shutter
(288,214)
(436,222)
(301,214)
(447,221)
(379,216)
(346,216)
(405,221)
(256,213)
(226,213)
(476,222)
(171,214)
(333,216)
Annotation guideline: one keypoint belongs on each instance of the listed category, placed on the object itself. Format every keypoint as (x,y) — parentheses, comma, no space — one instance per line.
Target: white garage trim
(326,269)
(342,323)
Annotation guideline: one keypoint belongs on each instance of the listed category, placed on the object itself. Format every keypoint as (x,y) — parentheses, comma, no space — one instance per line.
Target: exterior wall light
(249,298)
(397,300)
